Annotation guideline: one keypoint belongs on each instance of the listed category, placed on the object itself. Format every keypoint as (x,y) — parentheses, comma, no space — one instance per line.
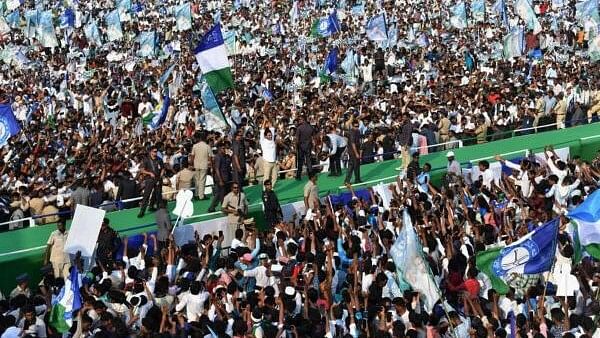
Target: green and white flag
(66,304)
(587,216)
(211,55)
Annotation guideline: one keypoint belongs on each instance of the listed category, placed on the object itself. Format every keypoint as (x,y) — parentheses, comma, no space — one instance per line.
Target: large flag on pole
(8,124)
(587,9)
(211,56)
(326,26)
(513,44)
(478,10)
(532,254)
(587,217)
(407,255)
(92,33)
(147,41)
(157,117)
(66,304)
(113,25)
(46,33)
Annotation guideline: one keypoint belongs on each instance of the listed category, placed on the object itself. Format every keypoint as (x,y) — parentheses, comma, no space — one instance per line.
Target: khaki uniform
(58,258)
(560,110)
(185,178)
(202,154)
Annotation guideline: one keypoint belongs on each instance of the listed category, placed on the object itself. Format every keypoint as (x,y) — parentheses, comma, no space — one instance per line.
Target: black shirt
(271,203)
(154,166)
(239,151)
(304,136)
(353,138)
(223,165)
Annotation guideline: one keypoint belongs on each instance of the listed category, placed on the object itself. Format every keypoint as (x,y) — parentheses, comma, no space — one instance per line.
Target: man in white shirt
(193,302)
(268,145)
(338,146)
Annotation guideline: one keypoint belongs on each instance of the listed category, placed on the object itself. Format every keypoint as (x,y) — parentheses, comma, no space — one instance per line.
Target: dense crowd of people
(81,104)
(330,273)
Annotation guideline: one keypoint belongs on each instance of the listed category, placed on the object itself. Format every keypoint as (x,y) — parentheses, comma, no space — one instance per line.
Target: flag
(294,13)
(66,304)
(413,269)
(230,38)
(594,49)
(113,25)
(587,217)
(165,76)
(331,62)
(13,19)
(183,17)
(8,124)
(124,8)
(587,9)
(423,40)
(532,254)
(525,12)
(326,26)
(377,28)
(67,19)
(92,33)
(213,116)
(478,10)
(458,16)
(4,27)
(32,19)
(513,44)
(155,118)
(147,41)
(266,94)
(358,10)
(11,5)
(211,56)
(348,63)
(45,30)
(392,37)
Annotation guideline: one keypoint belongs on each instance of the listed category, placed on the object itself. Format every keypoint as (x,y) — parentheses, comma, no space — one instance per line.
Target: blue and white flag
(331,62)
(423,40)
(348,64)
(45,31)
(213,116)
(13,19)
(392,39)
(66,304)
(525,12)
(513,44)
(154,119)
(92,33)
(113,26)
(587,9)
(531,254)
(124,7)
(147,41)
(183,17)
(412,268)
(266,94)
(326,26)
(458,16)
(8,124)
(587,214)
(478,10)
(67,19)
(358,10)
(230,39)
(11,5)
(377,28)
(165,77)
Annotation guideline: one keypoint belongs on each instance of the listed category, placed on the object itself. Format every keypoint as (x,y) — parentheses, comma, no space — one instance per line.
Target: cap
(22,278)
(263,256)
(290,291)
(450,154)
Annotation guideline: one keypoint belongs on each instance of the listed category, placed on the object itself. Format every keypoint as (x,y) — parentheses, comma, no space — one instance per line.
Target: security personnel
(273,213)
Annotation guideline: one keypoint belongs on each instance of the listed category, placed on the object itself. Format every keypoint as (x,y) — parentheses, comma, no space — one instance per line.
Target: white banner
(84,230)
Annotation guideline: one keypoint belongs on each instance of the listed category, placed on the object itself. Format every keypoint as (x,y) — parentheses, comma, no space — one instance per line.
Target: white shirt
(193,304)
(269,147)
(260,273)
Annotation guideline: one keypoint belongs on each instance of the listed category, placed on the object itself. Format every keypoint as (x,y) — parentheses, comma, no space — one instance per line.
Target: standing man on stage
(273,213)
(304,145)
(200,157)
(355,152)
(152,170)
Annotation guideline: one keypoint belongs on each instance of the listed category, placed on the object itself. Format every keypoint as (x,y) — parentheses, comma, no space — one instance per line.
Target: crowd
(296,109)
(82,104)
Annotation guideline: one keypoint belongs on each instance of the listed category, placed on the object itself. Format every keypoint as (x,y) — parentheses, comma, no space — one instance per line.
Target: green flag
(484,261)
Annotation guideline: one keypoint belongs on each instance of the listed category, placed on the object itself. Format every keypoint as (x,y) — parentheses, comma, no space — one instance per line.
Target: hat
(263,256)
(256,315)
(450,154)
(247,257)
(290,291)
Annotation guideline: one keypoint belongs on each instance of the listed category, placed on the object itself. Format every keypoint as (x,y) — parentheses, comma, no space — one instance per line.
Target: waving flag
(413,269)
(183,17)
(587,9)
(165,76)
(67,303)
(392,39)
(324,27)
(45,30)
(478,10)
(8,124)
(594,49)
(377,28)
(358,10)
(331,62)
(532,254)
(147,41)
(513,44)
(113,26)
(32,21)
(587,217)
(458,17)
(13,19)
(525,12)
(214,118)
(230,39)
(67,19)
(4,27)
(294,13)
(154,119)
(124,7)
(348,64)
(92,33)
(211,56)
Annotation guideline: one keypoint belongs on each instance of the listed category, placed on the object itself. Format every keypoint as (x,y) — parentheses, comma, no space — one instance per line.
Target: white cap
(290,291)
(450,154)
